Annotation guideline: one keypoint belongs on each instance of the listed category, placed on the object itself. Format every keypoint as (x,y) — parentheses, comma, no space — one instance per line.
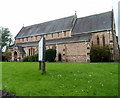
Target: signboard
(41,49)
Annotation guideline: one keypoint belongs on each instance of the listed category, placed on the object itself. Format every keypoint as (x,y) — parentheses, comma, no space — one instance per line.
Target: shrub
(36,57)
(31,59)
(50,55)
(25,59)
(100,54)
(6,56)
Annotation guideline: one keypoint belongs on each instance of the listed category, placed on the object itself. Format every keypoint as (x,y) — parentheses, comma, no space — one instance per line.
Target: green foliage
(33,58)
(5,37)
(61,79)
(50,55)
(25,59)
(6,56)
(36,57)
(100,54)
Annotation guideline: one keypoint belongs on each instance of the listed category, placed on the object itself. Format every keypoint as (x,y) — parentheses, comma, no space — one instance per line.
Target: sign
(41,49)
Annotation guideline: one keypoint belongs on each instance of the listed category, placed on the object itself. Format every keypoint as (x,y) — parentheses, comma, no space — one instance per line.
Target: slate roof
(57,25)
(58,41)
(21,50)
(93,23)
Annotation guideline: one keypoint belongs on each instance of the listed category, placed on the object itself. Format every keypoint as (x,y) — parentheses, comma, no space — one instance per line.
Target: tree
(50,55)
(6,56)
(5,38)
(100,54)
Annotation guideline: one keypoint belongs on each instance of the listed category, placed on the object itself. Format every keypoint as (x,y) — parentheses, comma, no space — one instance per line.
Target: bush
(6,56)
(33,58)
(25,59)
(100,54)
(50,55)
(30,58)
(36,57)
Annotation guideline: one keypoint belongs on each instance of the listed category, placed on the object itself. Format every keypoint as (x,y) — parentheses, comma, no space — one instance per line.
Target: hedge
(100,54)
(50,56)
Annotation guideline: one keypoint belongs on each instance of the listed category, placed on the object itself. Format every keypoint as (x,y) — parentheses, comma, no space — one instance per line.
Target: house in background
(72,37)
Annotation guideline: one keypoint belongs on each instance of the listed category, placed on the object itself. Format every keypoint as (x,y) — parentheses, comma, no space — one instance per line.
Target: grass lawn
(62,79)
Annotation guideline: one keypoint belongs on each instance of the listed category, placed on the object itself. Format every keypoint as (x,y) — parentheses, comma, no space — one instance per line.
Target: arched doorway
(59,57)
(15,56)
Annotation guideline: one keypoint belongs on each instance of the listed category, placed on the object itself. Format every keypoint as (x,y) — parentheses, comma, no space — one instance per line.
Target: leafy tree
(100,54)
(5,38)
(50,55)
(6,56)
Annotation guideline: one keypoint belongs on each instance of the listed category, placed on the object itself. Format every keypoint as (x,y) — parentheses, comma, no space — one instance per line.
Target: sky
(119,24)
(16,13)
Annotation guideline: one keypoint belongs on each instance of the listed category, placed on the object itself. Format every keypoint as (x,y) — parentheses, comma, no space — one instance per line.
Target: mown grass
(0,75)
(61,79)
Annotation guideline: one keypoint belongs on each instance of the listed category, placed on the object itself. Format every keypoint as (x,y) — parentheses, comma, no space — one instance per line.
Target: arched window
(52,35)
(58,34)
(33,51)
(15,56)
(27,39)
(98,41)
(29,52)
(65,33)
(59,57)
(103,40)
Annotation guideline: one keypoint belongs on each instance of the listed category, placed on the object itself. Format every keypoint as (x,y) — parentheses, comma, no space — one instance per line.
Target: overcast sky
(15,13)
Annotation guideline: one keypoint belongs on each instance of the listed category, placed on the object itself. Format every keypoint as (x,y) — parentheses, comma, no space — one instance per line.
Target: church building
(72,37)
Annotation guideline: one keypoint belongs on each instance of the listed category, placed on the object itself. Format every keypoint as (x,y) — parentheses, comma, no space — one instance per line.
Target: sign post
(41,54)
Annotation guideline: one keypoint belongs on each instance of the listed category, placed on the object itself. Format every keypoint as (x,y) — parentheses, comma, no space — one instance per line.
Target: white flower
(76,91)
(90,75)
(90,86)
(111,73)
(88,81)
(59,75)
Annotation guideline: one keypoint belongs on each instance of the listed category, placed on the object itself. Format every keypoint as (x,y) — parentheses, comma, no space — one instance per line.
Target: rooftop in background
(57,25)
(93,23)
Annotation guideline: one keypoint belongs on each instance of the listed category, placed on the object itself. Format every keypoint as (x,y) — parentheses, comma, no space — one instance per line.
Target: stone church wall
(73,52)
